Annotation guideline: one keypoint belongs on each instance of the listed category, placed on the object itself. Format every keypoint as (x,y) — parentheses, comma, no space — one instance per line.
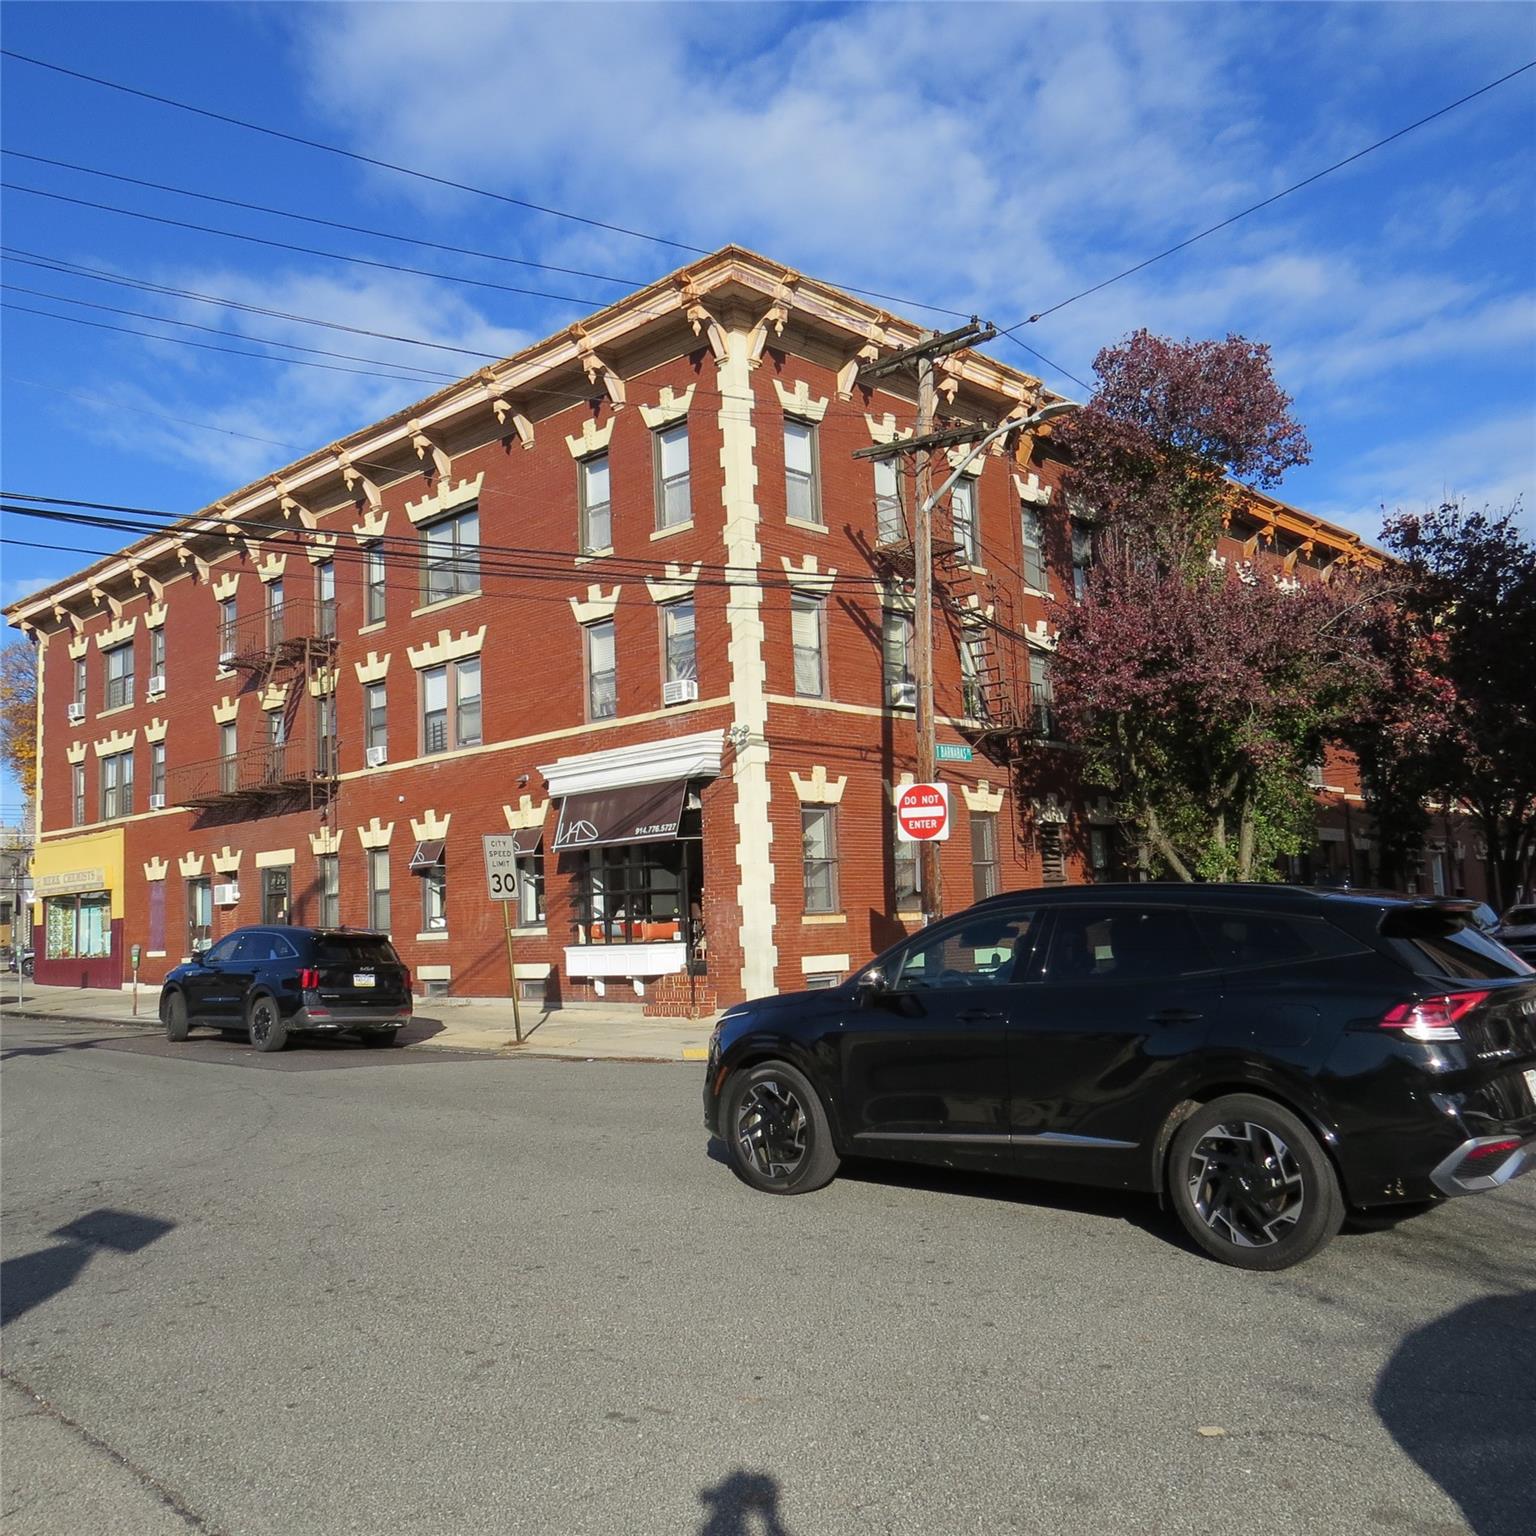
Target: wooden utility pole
(922,444)
(930,867)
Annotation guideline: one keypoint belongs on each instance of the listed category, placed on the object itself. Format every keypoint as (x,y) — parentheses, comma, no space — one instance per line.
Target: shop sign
(69,882)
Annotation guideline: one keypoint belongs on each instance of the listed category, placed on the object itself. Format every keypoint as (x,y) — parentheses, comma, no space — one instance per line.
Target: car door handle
(1174,1016)
(980,1016)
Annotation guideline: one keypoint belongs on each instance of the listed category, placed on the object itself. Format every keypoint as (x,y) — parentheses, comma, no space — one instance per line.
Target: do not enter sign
(922,813)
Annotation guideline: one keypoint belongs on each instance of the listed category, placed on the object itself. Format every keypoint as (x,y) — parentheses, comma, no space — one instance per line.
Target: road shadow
(1457,1397)
(743,1504)
(54,1049)
(33,1278)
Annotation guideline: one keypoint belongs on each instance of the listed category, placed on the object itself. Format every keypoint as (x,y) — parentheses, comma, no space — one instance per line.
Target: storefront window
(635,894)
(78,927)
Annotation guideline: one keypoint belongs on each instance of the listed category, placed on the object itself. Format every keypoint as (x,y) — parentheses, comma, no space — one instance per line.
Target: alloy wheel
(1246,1184)
(772,1128)
(261,1023)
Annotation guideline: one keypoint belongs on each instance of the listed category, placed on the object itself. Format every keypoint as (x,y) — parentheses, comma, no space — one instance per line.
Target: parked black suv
(270,982)
(1267,1059)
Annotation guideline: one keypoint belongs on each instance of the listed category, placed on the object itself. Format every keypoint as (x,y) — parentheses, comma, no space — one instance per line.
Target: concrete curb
(503,1049)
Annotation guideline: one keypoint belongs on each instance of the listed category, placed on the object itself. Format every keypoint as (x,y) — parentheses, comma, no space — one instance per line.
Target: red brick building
(628,596)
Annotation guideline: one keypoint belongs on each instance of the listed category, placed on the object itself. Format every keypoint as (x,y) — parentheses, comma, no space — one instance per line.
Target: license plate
(363,979)
(1530,1083)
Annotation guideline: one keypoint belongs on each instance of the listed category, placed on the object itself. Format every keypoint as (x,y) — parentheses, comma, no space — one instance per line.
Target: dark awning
(526,840)
(636,813)
(428,857)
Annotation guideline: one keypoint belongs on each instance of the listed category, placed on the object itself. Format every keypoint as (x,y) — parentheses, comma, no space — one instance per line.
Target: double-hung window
(984,881)
(373,584)
(972,654)
(907,869)
(226,629)
(229,758)
(116,785)
(802,488)
(962,515)
(329,866)
(450,556)
(375,716)
(602,675)
(378,889)
(672,499)
(1082,558)
(325,598)
(119,676)
(450,706)
(896,649)
(80,682)
(890,524)
(79,794)
(157,658)
(275,630)
(325,734)
(530,889)
(434,899)
(1032,530)
(818,835)
(806,635)
(596,505)
(157,770)
(1040,692)
(678,639)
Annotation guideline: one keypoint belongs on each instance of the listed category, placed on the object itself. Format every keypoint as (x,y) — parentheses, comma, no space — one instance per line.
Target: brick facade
(743,347)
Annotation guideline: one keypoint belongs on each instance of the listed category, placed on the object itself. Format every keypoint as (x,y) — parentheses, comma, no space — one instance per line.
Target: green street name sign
(952,752)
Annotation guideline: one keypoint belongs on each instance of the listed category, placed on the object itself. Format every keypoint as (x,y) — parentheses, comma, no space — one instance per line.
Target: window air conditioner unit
(682,690)
(376,756)
(226,895)
(157,683)
(903,695)
(226,655)
(157,802)
(76,713)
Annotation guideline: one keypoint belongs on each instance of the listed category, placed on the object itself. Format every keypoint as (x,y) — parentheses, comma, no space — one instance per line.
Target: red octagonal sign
(922,813)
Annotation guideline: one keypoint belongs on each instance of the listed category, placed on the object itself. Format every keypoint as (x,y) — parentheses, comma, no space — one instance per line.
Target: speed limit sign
(501,866)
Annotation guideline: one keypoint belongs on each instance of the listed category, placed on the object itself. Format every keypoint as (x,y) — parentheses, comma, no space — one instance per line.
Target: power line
(97,274)
(214,330)
(309,218)
(304,250)
(1064,372)
(208,346)
(442,181)
(1306,181)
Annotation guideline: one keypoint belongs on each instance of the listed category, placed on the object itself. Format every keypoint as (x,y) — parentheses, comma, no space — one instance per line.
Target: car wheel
(265,1025)
(173,1014)
(776,1131)
(378,1039)
(1252,1185)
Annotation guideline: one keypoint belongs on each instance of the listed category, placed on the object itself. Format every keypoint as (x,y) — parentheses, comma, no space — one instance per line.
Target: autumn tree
(18,714)
(1470,597)
(1197,695)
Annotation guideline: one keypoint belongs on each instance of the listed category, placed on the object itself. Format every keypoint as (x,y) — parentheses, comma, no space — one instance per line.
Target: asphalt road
(341,1292)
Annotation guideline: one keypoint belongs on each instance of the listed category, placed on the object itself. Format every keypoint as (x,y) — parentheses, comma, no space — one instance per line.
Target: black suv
(1266,1059)
(271,981)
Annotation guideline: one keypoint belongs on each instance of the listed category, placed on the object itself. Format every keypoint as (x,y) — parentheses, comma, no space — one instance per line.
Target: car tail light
(1434,1018)
(309,979)
(1492,1149)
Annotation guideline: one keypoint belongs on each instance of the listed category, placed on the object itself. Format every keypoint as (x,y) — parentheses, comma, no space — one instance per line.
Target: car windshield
(1451,944)
(356,949)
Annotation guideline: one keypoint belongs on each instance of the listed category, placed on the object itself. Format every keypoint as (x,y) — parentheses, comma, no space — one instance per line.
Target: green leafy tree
(18,714)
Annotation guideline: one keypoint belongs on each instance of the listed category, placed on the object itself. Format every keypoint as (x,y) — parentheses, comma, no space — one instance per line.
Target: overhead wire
(1295,186)
(428,176)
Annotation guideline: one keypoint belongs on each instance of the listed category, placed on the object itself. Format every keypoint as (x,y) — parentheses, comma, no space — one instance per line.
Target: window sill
(431,757)
(1049,596)
(154,954)
(447,602)
(154,698)
(825,919)
(117,709)
(437,936)
(368,629)
(801,522)
(540,932)
(973,568)
(666,533)
(586,557)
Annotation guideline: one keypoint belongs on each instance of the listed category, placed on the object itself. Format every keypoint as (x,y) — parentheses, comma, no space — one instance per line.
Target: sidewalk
(581,1034)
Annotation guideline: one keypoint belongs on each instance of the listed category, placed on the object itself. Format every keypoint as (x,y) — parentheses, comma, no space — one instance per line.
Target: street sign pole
(501,884)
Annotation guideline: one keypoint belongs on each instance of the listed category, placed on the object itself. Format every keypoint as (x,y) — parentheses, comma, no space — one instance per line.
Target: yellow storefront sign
(70,866)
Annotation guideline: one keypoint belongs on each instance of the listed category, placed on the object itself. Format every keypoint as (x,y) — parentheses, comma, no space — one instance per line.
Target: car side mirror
(872,984)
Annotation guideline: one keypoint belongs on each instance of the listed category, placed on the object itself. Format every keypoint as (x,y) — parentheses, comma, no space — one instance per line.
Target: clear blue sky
(989,158)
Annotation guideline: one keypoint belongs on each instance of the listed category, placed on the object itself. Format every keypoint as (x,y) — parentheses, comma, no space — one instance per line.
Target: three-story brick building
(627,595)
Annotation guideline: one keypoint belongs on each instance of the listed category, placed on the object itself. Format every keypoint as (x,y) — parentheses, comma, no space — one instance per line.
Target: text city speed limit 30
(922,813)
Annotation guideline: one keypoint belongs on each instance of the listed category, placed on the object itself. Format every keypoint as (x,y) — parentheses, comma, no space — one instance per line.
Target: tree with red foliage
(1470,601)
(1198,696)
